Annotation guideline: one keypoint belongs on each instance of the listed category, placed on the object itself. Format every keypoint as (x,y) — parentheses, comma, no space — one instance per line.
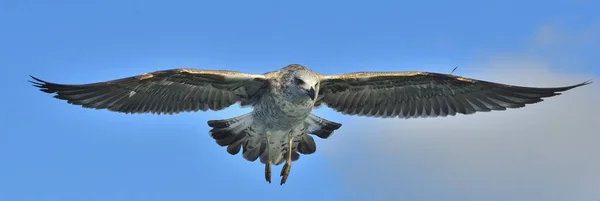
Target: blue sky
(54,151)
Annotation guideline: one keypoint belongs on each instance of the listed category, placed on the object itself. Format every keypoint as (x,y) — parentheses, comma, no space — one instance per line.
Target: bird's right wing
(423,94)
(163,92)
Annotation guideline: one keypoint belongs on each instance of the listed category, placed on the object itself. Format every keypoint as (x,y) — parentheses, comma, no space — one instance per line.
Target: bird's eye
(298,81)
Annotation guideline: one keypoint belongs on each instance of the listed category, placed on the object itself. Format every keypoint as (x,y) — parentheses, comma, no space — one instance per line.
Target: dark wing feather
(423,94)
(163,92)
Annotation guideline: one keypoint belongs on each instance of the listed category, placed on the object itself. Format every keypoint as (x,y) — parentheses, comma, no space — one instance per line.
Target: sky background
(50,150)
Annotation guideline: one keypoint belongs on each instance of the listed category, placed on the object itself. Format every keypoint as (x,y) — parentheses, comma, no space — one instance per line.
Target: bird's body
(278,118)
(280,126)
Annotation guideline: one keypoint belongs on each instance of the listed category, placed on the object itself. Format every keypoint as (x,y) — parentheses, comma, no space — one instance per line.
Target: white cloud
(545,151)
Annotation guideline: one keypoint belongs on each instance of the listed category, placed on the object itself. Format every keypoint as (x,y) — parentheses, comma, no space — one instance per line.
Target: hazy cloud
(553,37)
(547,35)
(546,151)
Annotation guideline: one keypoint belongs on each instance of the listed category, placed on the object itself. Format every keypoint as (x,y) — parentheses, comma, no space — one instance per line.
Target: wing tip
(41,84)
(578,85)
(566,88)
(587,82)
(35,80)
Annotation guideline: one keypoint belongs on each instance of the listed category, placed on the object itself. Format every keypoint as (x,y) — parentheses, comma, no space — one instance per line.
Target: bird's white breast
(278,111)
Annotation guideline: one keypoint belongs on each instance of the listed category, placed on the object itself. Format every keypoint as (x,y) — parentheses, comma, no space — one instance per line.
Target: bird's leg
(268,164)
(285,172)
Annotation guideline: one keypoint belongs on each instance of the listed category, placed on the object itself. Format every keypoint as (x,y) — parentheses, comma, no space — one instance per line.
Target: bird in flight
(280,126)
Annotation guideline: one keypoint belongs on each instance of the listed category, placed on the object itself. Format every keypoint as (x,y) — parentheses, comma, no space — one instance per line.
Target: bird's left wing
(422,94)
(163,92)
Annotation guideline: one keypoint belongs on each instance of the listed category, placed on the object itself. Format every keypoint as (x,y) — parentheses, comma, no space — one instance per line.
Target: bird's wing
(423,94)
(163,92)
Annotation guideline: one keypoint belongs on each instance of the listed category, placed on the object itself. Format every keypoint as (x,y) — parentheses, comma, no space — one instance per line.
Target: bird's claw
(285,172)
(268,171)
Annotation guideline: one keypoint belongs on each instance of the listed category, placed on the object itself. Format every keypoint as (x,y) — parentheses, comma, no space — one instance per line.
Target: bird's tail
(237,133)
(321,127)
(318,126)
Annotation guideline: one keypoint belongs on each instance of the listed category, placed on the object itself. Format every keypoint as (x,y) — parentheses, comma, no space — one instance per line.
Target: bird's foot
(285,171)
(268,171)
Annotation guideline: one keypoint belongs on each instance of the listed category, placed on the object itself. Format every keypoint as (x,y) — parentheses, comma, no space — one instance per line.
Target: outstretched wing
(162,92)
(423,94)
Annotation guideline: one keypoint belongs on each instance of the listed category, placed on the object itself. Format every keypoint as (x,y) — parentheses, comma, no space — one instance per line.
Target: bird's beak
(311,93)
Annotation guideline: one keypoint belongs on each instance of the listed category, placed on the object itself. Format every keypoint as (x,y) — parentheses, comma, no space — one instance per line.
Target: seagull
(280,126)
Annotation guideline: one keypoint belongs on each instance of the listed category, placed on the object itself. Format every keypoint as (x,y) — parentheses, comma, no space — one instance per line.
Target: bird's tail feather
(318,126)
(321,127)
(238,134)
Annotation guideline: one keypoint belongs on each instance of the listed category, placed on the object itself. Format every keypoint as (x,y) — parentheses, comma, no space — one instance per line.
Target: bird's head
(302,83)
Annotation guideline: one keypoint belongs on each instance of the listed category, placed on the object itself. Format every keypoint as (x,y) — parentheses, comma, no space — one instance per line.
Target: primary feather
(423,94)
